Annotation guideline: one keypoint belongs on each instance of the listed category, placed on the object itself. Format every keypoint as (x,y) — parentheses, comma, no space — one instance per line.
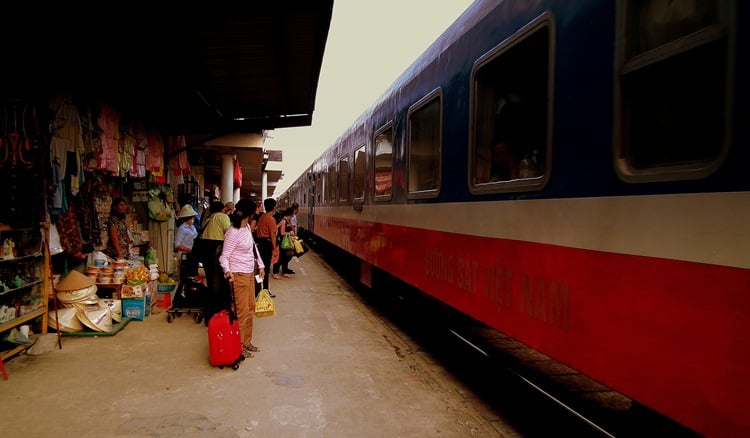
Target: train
(573,174)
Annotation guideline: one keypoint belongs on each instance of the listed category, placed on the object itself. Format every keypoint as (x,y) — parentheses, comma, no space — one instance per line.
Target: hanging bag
(158,210)
(299,248)
(264,305)
(286,242)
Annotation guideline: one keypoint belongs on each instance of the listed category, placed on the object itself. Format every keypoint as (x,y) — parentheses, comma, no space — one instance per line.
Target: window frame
(386,127)
(345,188)
(331,182)
(436,94)
(627,64)
(545,20)
(363,148)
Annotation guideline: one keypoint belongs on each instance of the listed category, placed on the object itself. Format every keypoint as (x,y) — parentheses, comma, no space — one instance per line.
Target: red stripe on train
(672,335)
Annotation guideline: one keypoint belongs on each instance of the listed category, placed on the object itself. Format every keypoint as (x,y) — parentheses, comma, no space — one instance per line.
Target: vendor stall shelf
(24,283)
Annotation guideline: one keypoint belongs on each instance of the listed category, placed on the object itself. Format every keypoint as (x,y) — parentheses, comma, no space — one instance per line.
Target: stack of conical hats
(78,291)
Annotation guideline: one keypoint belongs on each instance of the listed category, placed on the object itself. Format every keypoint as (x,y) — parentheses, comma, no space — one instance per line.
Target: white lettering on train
(545,300)
(541,299)
(497,286)
(467,274)
(440,266)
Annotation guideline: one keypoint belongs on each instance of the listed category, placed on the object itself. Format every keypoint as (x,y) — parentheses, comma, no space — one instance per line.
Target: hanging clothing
(66,128)
(155,157)
(109,121)
(178,160)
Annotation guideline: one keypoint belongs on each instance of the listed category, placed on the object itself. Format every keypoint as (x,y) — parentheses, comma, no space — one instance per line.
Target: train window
(359,173)
(319,183)
(673,89)
(511,113)
(343,179)
(424,142)
(383,163)
(330,191)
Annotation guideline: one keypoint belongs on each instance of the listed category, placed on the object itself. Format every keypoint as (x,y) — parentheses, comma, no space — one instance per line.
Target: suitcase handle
(233,310)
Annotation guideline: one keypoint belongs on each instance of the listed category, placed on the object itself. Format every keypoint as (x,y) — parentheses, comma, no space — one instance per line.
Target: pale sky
(369,45)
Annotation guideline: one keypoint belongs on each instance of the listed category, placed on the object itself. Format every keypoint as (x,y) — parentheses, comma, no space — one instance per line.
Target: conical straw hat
(74,281)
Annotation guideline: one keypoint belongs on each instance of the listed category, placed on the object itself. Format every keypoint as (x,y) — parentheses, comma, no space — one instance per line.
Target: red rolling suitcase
(224,343)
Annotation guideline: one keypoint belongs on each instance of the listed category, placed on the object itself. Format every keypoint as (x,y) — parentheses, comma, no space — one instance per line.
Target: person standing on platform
(293,219)
(238,260)
(212,238)
(217,223)
(118,244)
(295,231)
(203,220)
(267,244)
(254,220)
(229,207)
(285,228)
(186,232)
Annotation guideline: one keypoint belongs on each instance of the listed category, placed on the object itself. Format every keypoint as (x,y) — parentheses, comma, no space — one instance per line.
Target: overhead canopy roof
(206,70)
(203,72)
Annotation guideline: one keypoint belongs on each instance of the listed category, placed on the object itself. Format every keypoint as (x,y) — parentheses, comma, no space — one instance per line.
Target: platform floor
(328,367)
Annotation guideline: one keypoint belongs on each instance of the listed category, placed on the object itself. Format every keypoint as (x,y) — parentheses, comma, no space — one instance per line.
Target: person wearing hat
(186,233)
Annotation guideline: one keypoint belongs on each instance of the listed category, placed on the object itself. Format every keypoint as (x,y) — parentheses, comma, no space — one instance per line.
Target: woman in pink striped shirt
(238,258)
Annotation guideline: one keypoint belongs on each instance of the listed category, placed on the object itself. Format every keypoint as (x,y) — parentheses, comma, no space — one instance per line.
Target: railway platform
(328,367)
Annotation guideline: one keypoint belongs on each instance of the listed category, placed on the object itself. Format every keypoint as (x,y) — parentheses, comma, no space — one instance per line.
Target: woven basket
(165,287)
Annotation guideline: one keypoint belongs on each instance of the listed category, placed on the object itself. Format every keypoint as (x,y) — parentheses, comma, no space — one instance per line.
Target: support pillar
(264,187)
(227,178)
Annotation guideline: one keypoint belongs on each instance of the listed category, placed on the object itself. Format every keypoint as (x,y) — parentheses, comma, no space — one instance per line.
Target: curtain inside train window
(383,163)
(424,145)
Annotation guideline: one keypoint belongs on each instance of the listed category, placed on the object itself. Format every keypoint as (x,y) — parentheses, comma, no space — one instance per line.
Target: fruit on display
(165,279)
(139,273)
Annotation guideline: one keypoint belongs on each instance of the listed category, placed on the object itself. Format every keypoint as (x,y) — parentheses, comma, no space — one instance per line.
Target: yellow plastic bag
(298,247)
(264,305)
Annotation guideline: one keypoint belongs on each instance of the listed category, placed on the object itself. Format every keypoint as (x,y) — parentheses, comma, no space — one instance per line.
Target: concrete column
(227,178)
(264,187)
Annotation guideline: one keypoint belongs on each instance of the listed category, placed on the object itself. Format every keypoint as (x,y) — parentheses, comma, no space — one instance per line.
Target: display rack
(24,276)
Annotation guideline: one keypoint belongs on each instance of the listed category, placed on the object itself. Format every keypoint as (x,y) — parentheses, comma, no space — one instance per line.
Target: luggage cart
(190,295)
